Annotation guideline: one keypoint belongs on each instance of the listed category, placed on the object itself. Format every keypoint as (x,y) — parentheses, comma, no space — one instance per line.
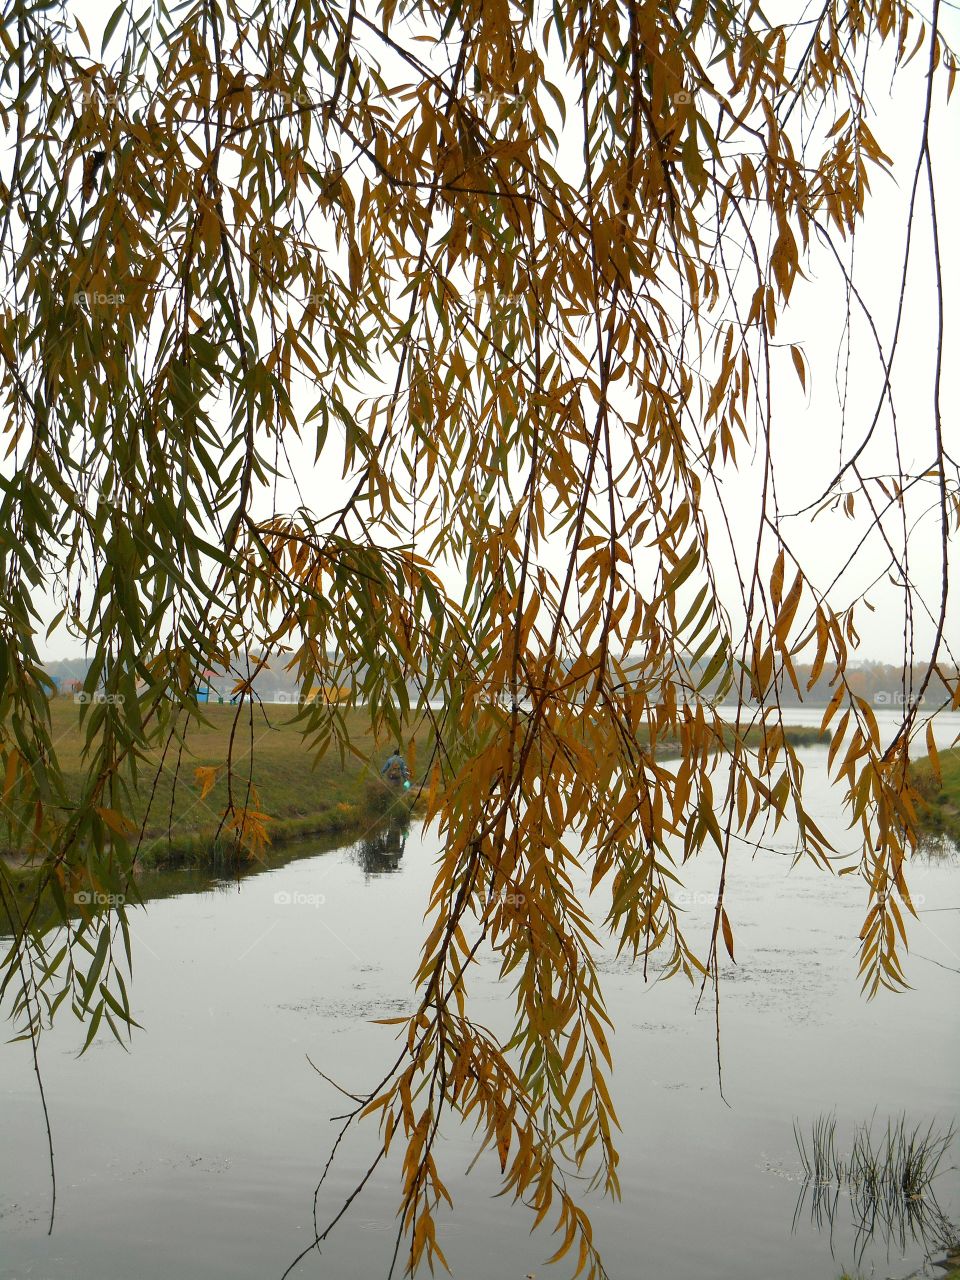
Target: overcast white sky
(806,434)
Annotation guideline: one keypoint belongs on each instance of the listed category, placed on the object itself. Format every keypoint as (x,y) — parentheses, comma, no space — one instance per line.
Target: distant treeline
(881,684)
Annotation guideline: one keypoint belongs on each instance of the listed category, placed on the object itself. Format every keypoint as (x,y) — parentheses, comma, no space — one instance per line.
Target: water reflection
(938,847)
(380,850)
(896,1222)
(879,1193)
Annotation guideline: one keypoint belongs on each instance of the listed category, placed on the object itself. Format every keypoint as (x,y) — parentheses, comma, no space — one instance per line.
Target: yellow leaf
(205,777)
(727,932)
(116,821)
(799,366)
(932,753)
(13,761)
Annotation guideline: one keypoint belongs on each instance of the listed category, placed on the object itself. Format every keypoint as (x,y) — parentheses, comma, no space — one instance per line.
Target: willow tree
(517,277)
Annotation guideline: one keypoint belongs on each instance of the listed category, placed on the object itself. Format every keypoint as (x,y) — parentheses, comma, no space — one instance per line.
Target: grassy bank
(942,799)
(302,798)
(796,735)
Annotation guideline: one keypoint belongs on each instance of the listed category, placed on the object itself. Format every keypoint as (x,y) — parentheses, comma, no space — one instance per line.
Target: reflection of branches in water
(888,1188)
(938,848)
(897,1220)
(221,886)
(382,848)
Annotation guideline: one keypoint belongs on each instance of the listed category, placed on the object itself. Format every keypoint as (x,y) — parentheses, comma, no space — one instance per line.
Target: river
(195,1153)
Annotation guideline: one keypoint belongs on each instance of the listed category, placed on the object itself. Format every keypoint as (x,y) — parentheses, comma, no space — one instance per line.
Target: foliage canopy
(517,275)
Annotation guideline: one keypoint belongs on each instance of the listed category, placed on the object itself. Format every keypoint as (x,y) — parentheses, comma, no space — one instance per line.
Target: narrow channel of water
(195,1154)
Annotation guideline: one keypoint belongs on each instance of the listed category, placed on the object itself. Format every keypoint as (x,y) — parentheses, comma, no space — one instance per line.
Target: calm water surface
(196,1153)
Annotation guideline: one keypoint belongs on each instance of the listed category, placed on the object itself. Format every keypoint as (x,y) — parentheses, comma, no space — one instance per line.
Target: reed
(886,1178)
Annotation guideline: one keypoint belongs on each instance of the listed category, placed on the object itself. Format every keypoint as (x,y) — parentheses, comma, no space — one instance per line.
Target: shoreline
(941,812)
(303,798)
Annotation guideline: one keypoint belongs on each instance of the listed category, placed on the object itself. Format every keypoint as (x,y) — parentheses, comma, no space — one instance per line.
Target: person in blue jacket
(395,769)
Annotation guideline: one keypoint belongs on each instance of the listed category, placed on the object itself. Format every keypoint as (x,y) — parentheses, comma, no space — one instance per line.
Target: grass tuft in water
(885,1177)
(899,1161)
